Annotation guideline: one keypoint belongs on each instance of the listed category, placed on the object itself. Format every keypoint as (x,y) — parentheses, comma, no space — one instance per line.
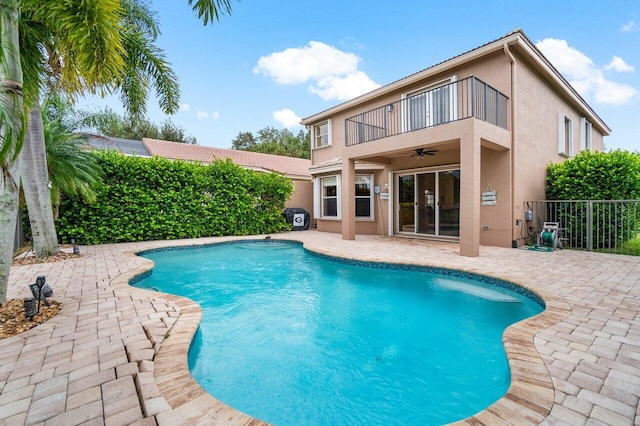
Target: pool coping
(528,400)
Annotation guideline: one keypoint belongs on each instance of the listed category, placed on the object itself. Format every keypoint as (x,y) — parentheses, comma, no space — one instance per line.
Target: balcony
(454,101)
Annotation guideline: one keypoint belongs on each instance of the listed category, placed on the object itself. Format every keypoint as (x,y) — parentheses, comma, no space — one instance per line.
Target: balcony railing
(462,99)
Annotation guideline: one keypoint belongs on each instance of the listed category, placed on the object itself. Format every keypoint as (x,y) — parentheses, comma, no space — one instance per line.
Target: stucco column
(470,195)
(348,199)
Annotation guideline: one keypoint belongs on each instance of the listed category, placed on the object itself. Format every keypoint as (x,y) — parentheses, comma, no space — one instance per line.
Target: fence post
(590,225)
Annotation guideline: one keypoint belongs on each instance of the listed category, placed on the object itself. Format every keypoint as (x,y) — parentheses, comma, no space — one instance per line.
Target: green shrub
(156,199)
(597,176)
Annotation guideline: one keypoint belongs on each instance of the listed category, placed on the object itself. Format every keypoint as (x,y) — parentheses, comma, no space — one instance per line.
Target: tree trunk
(9,200)
(35,184)
(11,108)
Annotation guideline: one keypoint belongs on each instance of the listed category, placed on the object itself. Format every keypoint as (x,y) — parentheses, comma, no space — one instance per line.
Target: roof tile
(205,154)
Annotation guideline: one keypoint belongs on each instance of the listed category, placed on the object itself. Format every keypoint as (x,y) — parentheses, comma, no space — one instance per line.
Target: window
(585,134)
(364,197)
(565,136)
(431,105)
(329,197)
(322,134)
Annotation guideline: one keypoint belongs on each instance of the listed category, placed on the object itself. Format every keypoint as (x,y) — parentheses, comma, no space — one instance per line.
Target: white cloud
(343,87)
(587,78)
(185,107)
(333,74)
(286,118)
(630,27)
(618,64)
(203,115)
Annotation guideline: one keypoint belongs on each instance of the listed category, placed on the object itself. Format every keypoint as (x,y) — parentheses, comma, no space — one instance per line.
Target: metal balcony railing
(454,101)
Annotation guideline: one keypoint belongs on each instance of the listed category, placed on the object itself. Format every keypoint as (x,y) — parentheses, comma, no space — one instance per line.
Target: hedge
(595,176)
(144,199)
(598,176)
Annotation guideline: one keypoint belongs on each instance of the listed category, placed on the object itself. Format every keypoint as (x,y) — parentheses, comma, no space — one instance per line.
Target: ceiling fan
(421,152)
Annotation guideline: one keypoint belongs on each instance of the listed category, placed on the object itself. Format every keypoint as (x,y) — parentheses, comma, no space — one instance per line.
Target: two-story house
(450,152)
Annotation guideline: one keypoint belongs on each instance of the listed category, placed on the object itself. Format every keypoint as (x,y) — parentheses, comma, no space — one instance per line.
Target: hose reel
(548,237)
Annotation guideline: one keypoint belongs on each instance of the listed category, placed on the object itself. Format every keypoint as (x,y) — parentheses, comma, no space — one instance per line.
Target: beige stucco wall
(538,106)
(495,174)
(302,195)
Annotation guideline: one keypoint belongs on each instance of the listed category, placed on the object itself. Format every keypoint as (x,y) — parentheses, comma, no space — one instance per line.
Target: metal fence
(466,98)
(595,225)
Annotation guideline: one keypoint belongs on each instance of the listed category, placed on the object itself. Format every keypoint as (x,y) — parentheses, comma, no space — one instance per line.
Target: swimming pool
(295,338)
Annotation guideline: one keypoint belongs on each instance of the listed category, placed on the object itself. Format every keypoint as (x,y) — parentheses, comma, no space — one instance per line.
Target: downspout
(512,60)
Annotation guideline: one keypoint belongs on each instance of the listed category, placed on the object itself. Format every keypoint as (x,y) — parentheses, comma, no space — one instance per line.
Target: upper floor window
(322,134)
(585,134)
(431,105)
(565,136)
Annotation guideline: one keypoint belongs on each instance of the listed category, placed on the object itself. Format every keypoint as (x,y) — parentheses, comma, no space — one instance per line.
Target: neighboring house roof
(290,166)
(125,146)
(514,38)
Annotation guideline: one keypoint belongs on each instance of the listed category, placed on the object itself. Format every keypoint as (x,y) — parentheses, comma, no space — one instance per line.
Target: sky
(272,63)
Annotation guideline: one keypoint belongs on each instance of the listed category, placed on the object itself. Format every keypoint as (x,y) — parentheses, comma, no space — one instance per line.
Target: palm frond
(145,66)
(137,14)
(73,172)
(210,10)
(85,36)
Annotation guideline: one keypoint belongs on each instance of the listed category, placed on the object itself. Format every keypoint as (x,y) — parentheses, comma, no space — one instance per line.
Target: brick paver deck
(117,355)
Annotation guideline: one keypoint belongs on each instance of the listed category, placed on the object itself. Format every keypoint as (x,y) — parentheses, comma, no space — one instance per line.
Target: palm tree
(144,66)
(83,42)
(73,171)
(92,53)
(11,134)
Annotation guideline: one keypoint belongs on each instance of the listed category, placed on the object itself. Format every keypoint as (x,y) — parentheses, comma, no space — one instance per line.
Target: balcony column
(348,199)
(470,195)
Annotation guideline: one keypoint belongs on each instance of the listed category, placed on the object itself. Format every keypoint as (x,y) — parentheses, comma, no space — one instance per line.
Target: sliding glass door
(428,203)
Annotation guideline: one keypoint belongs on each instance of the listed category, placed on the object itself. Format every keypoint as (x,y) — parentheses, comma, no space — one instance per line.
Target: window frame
(429,95)
(370,197)
(322,197)
(317,135)
(565,135)
(319,197)
(586,129)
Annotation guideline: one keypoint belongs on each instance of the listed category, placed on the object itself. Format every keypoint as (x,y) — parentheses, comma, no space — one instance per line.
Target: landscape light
(76,249)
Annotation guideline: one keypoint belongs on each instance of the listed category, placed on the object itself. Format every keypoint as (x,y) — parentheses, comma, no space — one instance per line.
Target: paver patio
(116,355)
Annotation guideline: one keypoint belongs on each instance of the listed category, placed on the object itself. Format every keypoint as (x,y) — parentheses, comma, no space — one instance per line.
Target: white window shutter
(583,133)
(316,197)
(339,193)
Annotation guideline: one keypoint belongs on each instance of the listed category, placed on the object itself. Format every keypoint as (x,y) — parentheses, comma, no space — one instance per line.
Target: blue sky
(271,63)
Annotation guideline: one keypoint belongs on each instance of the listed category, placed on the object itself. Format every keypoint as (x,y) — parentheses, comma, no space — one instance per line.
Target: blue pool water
(299,339)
